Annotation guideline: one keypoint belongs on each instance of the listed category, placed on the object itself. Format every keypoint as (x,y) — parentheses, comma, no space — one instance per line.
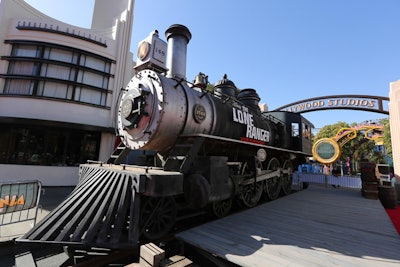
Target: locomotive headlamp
(143,50)
(152,53)
(261,155)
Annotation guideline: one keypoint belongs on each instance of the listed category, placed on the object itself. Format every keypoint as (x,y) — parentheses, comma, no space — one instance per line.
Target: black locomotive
(183,147)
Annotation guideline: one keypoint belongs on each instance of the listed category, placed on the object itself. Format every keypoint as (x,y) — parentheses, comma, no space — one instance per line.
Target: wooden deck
(315,227)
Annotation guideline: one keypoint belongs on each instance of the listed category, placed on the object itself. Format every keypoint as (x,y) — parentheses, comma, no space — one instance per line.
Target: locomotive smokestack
(178,37)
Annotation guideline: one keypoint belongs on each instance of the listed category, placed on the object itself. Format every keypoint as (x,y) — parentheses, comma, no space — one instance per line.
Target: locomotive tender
(192,149)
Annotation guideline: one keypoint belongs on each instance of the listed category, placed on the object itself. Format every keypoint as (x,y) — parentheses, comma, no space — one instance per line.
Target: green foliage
(210,87)
(329,131)
(387,140)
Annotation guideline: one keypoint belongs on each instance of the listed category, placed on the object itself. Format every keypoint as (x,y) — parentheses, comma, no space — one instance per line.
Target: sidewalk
(50,198)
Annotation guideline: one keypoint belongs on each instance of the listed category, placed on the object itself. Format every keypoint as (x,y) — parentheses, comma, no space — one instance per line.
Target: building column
(106,146)
(394,120)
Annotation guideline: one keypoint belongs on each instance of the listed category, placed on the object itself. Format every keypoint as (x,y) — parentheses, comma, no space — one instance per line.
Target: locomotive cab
(296,131)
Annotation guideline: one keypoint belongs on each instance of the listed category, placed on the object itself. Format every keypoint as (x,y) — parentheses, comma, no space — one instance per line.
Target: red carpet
(394,215)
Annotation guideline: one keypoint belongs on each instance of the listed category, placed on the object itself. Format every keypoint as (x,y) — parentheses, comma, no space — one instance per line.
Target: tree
(329,131)
(387,140)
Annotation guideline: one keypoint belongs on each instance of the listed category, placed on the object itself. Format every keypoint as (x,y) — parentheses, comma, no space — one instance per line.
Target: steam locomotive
(183,147)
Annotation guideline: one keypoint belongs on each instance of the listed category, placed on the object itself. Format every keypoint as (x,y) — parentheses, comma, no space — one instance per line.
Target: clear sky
(288,50)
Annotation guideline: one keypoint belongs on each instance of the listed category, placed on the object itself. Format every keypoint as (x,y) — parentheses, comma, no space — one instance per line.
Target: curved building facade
(59,85)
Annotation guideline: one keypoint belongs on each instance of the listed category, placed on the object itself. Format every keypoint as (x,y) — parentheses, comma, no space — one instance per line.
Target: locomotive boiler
(184,147)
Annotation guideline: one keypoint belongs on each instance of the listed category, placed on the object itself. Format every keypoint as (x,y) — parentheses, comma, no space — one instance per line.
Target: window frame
(95,83)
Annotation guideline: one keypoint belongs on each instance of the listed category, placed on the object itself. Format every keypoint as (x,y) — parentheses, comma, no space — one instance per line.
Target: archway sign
(327,150)
(354,102)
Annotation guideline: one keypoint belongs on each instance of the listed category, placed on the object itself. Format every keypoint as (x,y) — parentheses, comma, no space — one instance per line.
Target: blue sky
(288,50)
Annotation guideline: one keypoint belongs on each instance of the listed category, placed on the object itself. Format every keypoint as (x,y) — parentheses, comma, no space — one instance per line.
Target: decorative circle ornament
(199,113)
(261,155)
(326,150)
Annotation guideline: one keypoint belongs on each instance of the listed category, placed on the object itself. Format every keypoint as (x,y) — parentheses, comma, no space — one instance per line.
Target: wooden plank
(151,255)
(315,227)
(25,260)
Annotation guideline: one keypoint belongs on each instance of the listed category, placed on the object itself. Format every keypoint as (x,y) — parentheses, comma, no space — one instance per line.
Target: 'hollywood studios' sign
(360,102)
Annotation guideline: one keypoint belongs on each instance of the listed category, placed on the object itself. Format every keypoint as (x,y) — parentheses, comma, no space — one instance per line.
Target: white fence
(327,180)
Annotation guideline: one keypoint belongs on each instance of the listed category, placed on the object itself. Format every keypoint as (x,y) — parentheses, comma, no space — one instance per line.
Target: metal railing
(19,201)
(327,180)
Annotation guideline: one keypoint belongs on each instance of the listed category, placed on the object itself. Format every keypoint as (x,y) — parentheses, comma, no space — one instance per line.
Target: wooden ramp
(315,227)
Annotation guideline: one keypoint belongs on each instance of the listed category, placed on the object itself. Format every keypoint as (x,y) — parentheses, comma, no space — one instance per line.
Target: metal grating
(99,212)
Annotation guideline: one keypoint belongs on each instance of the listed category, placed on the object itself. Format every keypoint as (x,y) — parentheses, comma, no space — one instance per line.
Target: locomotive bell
(201,80)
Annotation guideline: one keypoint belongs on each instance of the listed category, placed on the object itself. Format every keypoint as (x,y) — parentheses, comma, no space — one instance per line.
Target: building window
(53,71)
(47,146)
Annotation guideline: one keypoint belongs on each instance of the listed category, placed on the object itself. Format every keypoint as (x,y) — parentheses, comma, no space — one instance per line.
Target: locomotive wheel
(287,177)
(273,185)
(221,208)
(157,217)
(251,194)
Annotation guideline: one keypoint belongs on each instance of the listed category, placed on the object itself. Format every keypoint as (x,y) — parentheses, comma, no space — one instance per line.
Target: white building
(59,85)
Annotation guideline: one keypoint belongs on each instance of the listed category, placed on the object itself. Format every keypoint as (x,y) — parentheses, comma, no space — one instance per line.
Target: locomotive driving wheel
(273,185)
(287,177)
(157,217)
(221,208)
(251,194)
(251,191)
